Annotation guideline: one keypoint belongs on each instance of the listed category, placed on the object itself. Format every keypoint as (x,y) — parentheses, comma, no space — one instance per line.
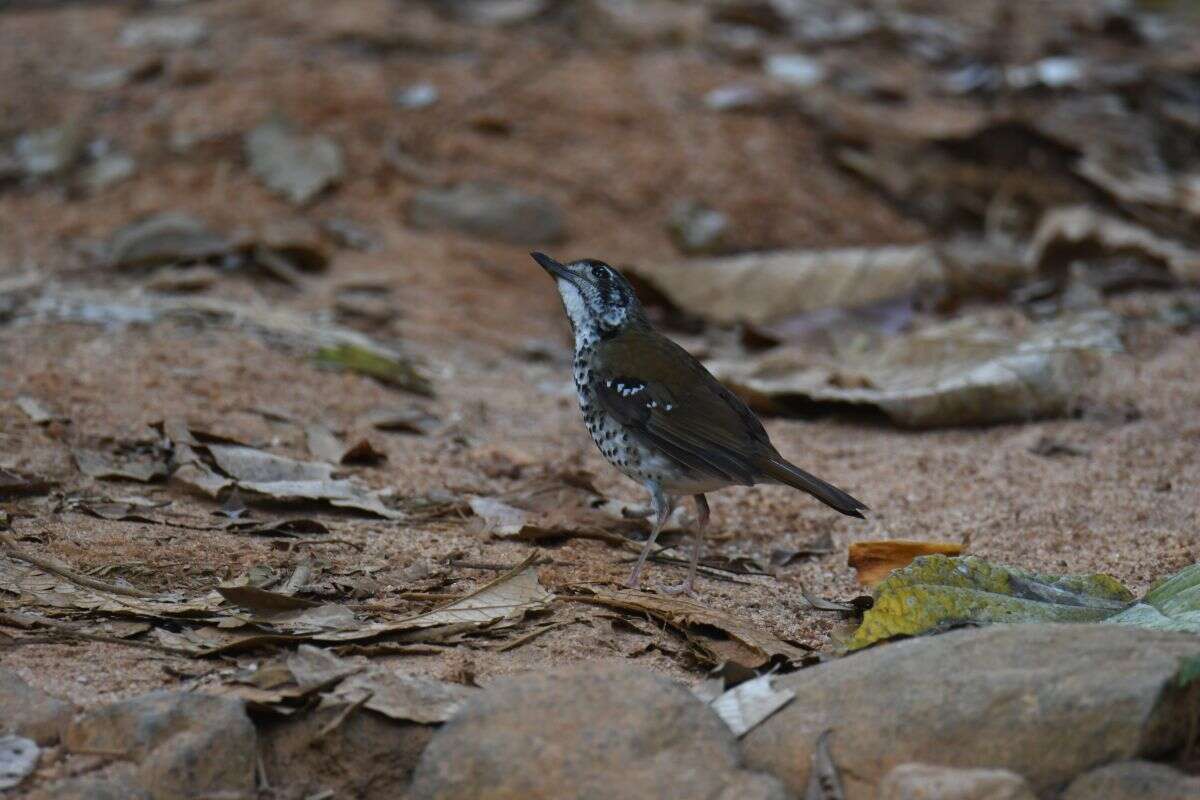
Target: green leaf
(935,592)
(384,367)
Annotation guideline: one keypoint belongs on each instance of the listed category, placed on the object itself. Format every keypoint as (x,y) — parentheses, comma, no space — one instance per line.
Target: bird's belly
(636,460)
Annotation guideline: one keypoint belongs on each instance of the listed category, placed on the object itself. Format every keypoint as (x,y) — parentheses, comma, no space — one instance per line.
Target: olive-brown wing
(671,403)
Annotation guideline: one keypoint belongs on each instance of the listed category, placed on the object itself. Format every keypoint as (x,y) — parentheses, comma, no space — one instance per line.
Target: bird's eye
(597,272)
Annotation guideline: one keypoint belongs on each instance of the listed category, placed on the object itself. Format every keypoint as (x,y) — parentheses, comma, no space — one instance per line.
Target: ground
(614,137)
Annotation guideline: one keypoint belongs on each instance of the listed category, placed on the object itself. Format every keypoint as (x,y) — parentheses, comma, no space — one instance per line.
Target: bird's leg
(688,586)
(663,506)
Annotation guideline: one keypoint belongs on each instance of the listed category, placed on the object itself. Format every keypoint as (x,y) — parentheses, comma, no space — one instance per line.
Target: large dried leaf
(964,372)
(761,645)
(749,703)
(1076,232)
(165,239)
(935,592)
(765,287)
(874,561)
(257,466)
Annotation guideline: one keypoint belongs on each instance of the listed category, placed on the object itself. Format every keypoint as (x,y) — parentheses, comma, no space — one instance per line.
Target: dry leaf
(133,461)
(402,420)
(876,560)
(262,601)
(410,698)
(1068,233)
(257,466)
(965,372)
(755,644)
(746,705)
(324,443)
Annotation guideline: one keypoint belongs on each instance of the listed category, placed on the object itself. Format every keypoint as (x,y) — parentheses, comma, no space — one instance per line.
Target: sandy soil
(615,138)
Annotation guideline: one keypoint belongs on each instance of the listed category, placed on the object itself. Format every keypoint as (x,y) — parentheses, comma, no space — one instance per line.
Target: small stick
(63,572)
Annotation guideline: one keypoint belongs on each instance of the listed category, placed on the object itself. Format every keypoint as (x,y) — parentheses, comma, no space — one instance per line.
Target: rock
(600,731)
(293,165)
(92,789)
(927,782)
(640,23)
(367,756)
(165,33)
(697,229)
(1012,697)
(795,70)
(1134,780)
(48,152)
(107,170)
(489,210)
(18,757)
(30,712)
(417,95)
(496,12)
(184,744)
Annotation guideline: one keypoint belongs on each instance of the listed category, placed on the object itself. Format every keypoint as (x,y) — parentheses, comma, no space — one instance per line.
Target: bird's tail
(791,475)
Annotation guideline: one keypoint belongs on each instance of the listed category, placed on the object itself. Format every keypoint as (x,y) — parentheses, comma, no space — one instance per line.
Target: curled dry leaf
(965,372)
(874,561)
(746,705)
(758,645)
(1065,234)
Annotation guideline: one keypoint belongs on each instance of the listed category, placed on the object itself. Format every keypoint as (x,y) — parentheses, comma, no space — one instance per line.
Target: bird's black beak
(555,269)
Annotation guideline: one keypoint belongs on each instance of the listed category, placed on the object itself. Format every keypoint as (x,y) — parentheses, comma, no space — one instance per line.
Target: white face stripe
(577,312)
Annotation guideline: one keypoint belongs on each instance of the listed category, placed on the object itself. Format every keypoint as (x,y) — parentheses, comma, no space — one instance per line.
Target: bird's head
(598,300)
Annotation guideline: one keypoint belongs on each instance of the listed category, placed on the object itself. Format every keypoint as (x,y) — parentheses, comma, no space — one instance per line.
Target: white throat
(582,322)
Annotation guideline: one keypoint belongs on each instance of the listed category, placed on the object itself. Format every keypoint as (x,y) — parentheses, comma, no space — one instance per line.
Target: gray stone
(184,744)
(367,756)
(293,165)
(640,23)
(928,782)
(48,152)
(165,33)
(488,210)
(698,229)
(1134,780)
(30,712)
(1046,701)
(602,731)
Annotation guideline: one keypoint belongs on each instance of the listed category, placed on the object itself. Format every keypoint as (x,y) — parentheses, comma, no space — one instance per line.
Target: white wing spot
(668,407)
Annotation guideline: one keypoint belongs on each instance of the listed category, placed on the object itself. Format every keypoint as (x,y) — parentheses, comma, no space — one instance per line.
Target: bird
(659,416)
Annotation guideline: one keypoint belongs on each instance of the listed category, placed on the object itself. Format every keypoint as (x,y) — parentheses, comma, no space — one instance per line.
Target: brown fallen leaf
(262,601)
(402,420)
(876,560)
(756,644)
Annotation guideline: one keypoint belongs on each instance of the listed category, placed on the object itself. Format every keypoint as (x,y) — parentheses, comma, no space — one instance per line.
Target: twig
(294,543)
(63,572)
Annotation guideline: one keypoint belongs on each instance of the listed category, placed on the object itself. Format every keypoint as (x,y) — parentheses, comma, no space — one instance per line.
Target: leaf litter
(936,592)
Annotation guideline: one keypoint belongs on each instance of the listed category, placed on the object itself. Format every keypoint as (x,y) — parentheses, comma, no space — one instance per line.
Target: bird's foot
(685,589)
